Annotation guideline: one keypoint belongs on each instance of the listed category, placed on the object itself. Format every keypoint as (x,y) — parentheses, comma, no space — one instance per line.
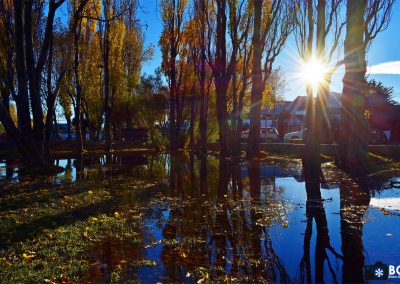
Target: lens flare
(313,72)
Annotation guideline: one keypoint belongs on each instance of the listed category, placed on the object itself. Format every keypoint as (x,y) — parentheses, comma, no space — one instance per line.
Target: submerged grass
(47,231)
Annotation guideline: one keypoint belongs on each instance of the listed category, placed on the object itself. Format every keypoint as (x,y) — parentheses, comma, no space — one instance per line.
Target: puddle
(211,219)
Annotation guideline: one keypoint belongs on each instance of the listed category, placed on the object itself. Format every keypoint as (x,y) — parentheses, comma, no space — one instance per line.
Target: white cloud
(392,67)
(389,203)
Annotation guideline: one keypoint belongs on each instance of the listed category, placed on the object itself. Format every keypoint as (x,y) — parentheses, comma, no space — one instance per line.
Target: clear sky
(384,53)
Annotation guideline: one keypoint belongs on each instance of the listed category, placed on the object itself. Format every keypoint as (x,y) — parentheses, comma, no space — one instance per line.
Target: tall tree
(240,16)
(353,138)
(256,89)
(76,29)
(313,27)
(57,66)
(218,62)
(173,12)
(271,27)
(203,100)
(29,134)
(365,20)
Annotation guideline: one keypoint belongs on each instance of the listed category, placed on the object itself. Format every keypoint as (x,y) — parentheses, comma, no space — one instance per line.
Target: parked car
(376,136)
(267,134)
(289,137)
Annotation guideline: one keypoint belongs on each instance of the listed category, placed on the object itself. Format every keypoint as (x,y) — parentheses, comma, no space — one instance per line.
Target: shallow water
(211,219)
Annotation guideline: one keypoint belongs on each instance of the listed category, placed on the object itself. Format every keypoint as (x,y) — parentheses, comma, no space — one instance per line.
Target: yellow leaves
(90,192)
(191,32)
(117,215)
(67,197)
(86,232)
(204,279)
(5,261)
(367,114)
(29,256)
(94,219)
(183,254)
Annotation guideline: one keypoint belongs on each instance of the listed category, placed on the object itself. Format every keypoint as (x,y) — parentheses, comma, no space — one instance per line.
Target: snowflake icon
(379,272)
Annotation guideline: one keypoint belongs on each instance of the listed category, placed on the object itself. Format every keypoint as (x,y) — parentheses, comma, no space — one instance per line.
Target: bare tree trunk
(234,140)
(68,119)
(22,102)
(192,116)
(34,77)
(107,107)
(310,156)
(314,112)
(203,100)
(172,87)
(256,90)
(29,71)
(179,104)
(353,145)
(50,102)
(221,78)
(242,93)
(78,87)
(354,201)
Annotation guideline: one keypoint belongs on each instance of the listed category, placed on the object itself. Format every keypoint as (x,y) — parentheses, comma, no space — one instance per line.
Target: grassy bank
(49,231)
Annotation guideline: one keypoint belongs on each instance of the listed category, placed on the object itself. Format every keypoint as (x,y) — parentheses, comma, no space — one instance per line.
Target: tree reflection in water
(354,202)
(224,213)
(226,229)
(227,218)
(315,211)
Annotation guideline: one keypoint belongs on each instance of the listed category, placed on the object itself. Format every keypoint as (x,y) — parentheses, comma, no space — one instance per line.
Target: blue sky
(385,48)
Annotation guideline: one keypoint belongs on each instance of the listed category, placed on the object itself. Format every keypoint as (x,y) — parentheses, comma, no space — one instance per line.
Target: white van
(267,134)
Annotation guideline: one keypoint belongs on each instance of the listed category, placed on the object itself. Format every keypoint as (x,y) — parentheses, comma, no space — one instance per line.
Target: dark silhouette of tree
(173,12)
(354,202)
(365,19)
(315,211)
(377,91)
(273,22)
(30,61)
(353,148)
(313,28)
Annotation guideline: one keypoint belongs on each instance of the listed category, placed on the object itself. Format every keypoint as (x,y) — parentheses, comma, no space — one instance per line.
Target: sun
(313,72)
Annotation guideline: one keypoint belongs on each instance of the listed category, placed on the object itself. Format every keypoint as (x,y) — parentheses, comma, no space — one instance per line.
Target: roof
(334,100)
(277,109)
(299,104)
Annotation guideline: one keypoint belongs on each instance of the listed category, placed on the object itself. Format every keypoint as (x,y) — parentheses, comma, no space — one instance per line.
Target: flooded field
(165,218)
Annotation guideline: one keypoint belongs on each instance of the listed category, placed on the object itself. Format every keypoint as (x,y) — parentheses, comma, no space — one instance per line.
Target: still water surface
(212,219)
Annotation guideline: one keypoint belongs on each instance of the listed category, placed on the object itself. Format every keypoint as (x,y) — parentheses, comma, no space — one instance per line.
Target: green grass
(48,231)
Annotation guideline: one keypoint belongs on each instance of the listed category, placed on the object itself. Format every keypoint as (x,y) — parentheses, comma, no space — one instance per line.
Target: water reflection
(233,218)
(273,220)
(7,169)
(354,202)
